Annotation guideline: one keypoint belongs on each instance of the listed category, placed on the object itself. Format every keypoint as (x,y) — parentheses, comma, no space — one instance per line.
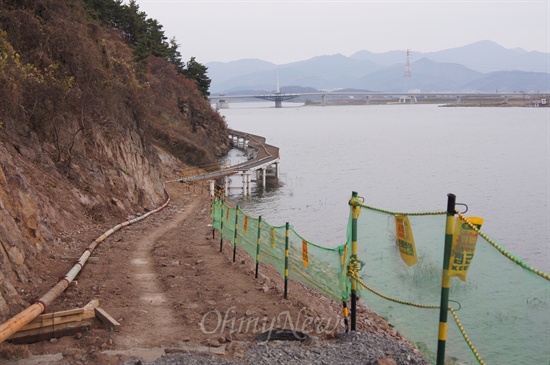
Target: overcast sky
(282,31)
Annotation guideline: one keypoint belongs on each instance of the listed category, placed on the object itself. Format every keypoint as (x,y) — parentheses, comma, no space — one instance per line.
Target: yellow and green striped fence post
(346,313)
(212,201)
(356,210)
(235,237)
(258,244)
(445,280)
(286,259)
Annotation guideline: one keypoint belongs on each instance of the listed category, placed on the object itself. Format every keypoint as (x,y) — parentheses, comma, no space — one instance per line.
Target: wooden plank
(69,312)
(49,322)
(107,319)
(40,334)
(89,311)
(67,316)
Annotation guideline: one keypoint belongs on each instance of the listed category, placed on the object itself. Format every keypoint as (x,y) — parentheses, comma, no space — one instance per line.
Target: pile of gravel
(351,348)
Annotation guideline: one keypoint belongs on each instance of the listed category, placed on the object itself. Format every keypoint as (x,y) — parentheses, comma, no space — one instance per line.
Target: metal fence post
(235,238)
(258,244)
(445,280)
(355,214)
(221,225)
(286,259)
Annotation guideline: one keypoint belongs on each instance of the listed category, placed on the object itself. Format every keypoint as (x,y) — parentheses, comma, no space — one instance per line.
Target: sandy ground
(171,289)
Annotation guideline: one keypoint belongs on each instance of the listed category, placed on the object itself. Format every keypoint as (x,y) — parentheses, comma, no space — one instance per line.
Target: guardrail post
(445,280)
(226,185)
(211,183)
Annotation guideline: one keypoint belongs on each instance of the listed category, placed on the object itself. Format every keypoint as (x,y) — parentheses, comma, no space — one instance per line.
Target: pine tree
(147,38)
(197,72)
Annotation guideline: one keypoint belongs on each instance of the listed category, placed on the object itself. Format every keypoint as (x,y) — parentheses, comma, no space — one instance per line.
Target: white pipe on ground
(15,323)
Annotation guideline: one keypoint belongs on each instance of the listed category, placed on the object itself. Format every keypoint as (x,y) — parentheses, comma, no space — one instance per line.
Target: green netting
(272,247)
(324,271)
(317,267)
(503,308)
(247,233)
(216,214)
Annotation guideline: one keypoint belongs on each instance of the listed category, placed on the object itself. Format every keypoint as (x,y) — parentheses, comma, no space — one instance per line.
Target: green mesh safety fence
(272,247)
(247,233)
(216,214)
(316,267)
(229,218)
(503,308)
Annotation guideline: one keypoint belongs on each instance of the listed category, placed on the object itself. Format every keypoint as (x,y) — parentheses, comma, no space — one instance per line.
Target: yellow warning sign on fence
(245,226)
(305,257)
(464,246)
(405,240)
(273,238)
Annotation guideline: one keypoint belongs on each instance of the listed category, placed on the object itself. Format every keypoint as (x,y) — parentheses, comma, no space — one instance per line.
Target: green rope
(500,249)
(322,289)
(353,273)
(465,335)
(401,213)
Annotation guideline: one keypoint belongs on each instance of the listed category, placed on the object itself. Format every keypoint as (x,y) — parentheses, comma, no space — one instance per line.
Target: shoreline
(162,276)
(442,102)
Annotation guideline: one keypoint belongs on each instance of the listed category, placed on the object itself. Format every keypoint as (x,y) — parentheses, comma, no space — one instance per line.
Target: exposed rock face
(108,179)
(79,122)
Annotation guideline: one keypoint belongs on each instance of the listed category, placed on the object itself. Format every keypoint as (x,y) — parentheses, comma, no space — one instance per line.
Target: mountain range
(483,66)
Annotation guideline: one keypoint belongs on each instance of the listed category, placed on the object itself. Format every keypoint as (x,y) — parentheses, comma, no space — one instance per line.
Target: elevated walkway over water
(262,159)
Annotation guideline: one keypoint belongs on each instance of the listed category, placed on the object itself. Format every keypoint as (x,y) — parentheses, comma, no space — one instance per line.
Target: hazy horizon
(404,51)
(284,31)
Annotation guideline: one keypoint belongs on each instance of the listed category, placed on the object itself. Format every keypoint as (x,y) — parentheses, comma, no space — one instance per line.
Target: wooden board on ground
(41,334)
(57,318)
(107,319)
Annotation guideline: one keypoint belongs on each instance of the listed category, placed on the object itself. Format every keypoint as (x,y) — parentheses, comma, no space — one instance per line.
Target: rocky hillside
(81,124)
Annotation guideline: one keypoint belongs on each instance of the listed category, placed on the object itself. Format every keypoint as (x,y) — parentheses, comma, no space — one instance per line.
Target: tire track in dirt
(155,306)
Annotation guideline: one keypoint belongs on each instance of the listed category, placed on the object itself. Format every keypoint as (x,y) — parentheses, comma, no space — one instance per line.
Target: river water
(407,158)
(404,158)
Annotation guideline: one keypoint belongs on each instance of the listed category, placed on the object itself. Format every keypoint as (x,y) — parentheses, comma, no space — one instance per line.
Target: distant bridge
(278,98)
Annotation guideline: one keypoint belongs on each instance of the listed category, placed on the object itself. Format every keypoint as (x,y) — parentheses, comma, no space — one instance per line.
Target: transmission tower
(408,72)
(408,75)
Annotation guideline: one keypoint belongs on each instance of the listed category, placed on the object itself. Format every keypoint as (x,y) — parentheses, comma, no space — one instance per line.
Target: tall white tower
(408,71)
(278,89)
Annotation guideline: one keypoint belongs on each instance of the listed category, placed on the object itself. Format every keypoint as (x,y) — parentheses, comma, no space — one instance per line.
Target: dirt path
(168,285)
(152,296)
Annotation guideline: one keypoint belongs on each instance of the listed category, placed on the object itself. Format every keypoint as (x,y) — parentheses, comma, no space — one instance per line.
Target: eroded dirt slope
(168,285)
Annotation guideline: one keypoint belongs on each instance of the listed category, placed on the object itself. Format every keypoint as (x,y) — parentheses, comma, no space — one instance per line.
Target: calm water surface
(405,158)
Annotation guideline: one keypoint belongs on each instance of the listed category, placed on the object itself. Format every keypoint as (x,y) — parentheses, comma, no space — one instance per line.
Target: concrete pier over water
(262,160)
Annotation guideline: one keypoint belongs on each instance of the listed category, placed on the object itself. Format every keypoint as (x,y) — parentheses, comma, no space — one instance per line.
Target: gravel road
(352,348)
